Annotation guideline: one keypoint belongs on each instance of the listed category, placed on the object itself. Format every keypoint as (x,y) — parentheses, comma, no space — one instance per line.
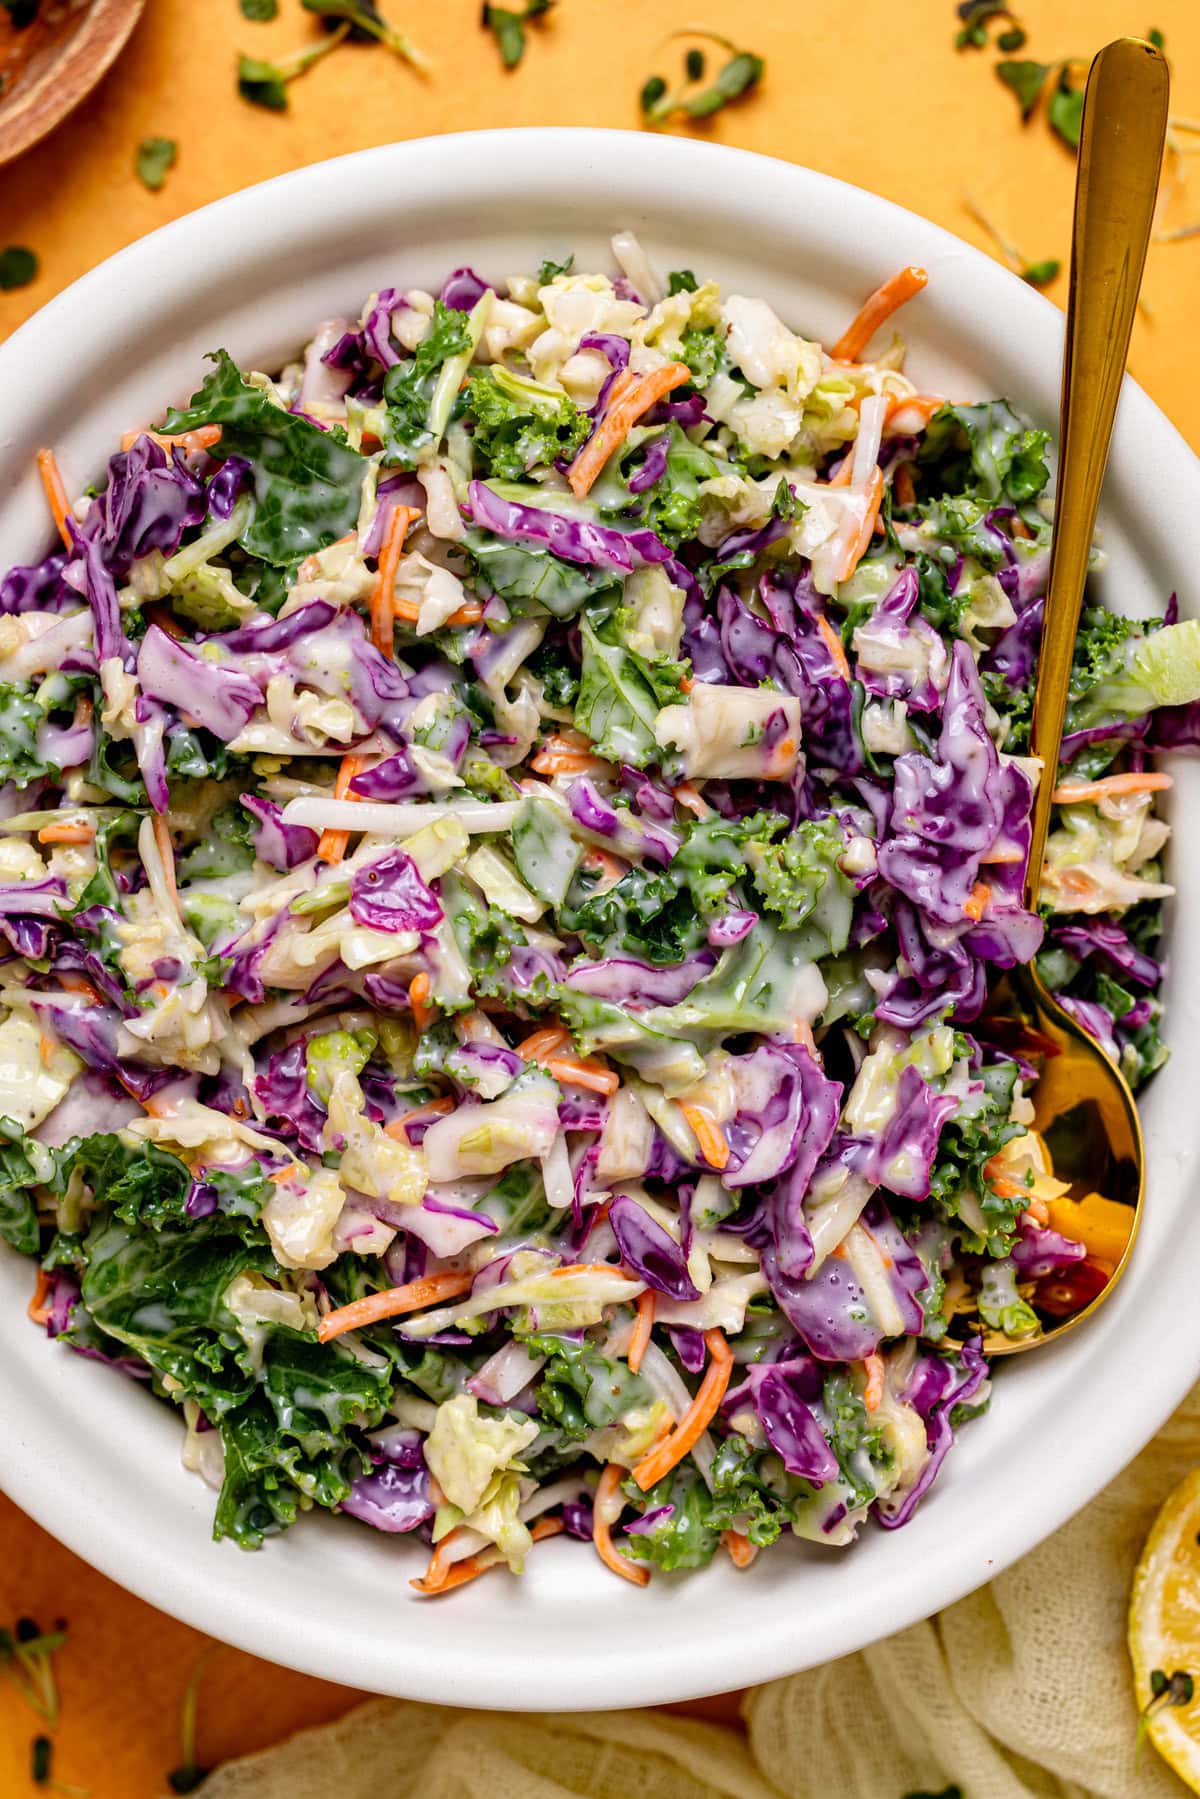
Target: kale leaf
(24,1165)
(684,1536)
(21,761)
(987,450)
(307,483)
(966,1145)
(582,1390)
(519,424)
(531,579)
(408,386)
(621,694)
(799,880)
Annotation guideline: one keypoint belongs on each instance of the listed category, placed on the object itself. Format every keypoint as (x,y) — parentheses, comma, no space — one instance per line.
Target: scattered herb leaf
(259,11)
(1065,108)
(189,1775)
(1178,1688)
(550,269)
(366,23)
(40,1758)
(508,27)
(976,16)
(1013,39)
(266,83)
(1036,273)
(155,155)
(1155,36)
(735,78)
(652,92)
(18,267)
(26,1657)
(1026,79)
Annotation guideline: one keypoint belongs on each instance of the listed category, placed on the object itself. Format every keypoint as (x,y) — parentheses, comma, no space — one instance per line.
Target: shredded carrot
(1075,793)
(331,845)
(203,437)
(740,1549)
(601,860)
(162,616)
(896,290)
(565,762)
(902,487)
(627,402)
(708,1133)
(858,548)
(67,830)
(469,613)
(46,1048)
(56,493)
(1037,1212)
(162,839)
(434,1578)
(434,1108)
(977,901)
(418,998)
(1076,881)
(597,1216)
(545,1042)
(873,1391)
(691,799)
(845,468)
(695,1421)
(443,1577)
(382,596)
(394,1302)
(1004,1188)
(582,1071)
(924,405)
(641,1329)
(781,757)
(559,1274)
(606,1495)
(282,1176)
(567,753)
(686,683)
(833,643)
(38,1309)
(81,986)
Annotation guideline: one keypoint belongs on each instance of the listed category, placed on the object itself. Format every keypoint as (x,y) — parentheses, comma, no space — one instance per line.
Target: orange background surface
(874,93)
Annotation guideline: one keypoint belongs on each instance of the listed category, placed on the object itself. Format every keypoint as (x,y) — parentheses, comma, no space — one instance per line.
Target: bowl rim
(765,1647)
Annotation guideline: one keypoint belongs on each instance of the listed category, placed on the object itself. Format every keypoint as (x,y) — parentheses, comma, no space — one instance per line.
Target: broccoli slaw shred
(509,825)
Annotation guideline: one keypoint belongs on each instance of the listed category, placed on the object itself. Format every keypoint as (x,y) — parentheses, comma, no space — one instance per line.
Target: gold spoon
(1082,1103)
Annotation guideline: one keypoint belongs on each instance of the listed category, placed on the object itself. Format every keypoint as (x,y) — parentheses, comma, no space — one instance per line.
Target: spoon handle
(1120,156)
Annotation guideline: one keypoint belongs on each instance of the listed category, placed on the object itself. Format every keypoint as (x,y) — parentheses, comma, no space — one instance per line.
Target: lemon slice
(1164,1629)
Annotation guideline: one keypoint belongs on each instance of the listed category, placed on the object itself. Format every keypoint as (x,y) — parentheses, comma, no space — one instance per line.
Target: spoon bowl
(1088,1118)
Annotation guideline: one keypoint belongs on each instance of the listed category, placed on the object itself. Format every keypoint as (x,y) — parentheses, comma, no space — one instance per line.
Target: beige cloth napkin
(1021,1691)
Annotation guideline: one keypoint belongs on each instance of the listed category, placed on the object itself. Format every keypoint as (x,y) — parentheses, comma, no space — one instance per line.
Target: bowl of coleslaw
(517,790)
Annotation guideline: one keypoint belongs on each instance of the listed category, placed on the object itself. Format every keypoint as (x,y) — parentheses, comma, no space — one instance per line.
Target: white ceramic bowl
(91,1456)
